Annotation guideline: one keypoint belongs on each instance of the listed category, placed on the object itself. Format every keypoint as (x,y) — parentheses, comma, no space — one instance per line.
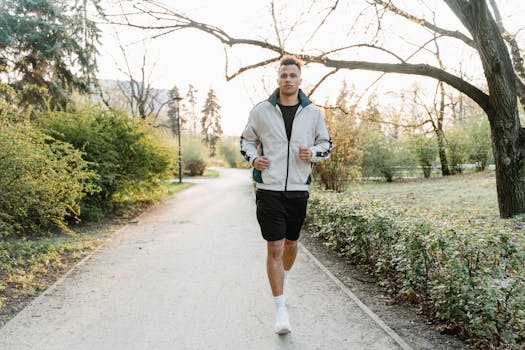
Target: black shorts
(281,214)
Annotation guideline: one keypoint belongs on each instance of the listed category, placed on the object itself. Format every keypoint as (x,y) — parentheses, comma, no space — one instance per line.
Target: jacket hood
(303,99)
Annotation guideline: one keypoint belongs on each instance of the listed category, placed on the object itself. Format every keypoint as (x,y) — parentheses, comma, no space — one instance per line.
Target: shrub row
(123,152)
(468,278)
(42,181)
(72,165)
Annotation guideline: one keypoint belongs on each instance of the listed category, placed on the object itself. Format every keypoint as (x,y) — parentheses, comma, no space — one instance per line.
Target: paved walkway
(191,275)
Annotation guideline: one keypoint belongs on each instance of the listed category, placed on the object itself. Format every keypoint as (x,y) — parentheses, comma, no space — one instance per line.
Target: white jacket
(265,134)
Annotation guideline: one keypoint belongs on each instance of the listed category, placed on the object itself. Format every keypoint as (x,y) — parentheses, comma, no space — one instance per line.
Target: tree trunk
(510,180)
(508,139)
(445,171)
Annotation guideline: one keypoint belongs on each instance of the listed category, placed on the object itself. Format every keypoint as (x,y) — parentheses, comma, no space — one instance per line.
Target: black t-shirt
(288,115)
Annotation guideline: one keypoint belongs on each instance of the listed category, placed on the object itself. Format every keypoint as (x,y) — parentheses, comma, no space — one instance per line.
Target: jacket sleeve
(250,140)
(323,143)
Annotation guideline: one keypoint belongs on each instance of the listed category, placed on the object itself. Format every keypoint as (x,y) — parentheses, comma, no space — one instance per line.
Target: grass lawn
(471,196)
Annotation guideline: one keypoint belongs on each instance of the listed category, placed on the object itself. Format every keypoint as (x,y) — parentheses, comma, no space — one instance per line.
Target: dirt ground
(403,319)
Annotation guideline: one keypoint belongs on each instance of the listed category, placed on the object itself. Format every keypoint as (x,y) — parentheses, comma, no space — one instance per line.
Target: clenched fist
(304,153)
(261,163)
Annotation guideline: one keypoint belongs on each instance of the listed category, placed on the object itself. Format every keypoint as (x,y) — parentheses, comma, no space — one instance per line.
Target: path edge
(396,337)
(78,265)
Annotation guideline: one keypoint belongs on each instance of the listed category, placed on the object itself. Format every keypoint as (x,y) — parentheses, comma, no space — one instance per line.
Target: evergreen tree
(48,44)
(211,122)
(191,100)
(172,113)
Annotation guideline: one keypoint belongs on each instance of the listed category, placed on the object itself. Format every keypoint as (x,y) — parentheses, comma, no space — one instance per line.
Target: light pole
(177,100)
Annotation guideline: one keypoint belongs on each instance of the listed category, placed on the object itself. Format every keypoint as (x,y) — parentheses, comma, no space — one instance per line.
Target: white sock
(286,272)
(279,301)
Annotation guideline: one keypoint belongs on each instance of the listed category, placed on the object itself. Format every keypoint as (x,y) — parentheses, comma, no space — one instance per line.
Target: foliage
(426,152)
(43,181)
(457,148)
(48,44)
(122,151)
(188,109)
(211,122)
(194,156)
(344,163)
(230,152)
(469,278)
(381,155)
(478,142)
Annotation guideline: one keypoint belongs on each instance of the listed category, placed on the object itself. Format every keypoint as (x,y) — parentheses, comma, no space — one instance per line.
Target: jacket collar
(303,99)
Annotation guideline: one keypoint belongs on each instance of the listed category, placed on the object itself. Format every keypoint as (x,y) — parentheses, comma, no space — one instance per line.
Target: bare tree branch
(275,26)
(406,68)
(517,60)
(445,32)
(252,66)
(364,45)
(331,10)
(321,81)
(403,68)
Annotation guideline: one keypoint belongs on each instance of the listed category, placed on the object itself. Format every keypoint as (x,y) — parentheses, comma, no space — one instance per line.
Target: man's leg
(289,254)
(274,266)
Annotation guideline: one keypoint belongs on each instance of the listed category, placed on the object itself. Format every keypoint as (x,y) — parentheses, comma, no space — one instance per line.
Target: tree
(485,37)
(344,163)
(143,99)
(48,44)
(191,100)
(435,116)
(211,121)
(173,113)
(425,150)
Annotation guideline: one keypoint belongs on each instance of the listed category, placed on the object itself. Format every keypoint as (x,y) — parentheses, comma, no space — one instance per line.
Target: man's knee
(290,244)
(275,249)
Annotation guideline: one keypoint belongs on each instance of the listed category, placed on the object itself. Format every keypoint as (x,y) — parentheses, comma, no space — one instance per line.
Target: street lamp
(177,100)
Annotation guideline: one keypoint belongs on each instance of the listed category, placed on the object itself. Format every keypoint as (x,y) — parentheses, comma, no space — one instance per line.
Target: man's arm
(249,141)
(323,143)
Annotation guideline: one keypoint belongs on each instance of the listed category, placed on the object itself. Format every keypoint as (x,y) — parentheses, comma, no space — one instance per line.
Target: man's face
(289,79)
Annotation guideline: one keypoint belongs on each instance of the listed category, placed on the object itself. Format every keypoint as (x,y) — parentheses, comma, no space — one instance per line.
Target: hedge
(123,152)
(468,277)
(42,181)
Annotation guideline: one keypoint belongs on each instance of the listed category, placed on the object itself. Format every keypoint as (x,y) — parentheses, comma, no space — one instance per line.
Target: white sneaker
(282,322)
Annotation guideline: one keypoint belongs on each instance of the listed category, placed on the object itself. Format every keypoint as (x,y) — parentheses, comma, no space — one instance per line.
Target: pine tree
(191,100)
(211,122)
(48,44)
(172,113)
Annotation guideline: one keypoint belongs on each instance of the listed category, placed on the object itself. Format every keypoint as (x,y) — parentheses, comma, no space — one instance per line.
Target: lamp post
(177,100)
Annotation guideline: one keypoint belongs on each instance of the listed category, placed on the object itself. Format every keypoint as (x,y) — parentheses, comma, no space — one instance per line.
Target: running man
(284,135)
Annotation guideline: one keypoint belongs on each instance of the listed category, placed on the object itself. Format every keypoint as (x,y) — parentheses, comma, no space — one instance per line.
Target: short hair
(290,60)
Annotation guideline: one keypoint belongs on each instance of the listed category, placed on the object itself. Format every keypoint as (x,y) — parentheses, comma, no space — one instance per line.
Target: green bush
(43,181)
(426,152)
(469,278)
(231,154)
(194,156)
(457,148)
(384,156)
(122,151)
(479,145)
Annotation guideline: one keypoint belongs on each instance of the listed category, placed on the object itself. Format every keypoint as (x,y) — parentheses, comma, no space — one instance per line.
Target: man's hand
(304,153)
(261,163)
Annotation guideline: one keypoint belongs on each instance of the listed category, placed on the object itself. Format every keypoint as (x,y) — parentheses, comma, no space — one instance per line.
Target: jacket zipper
(288,152)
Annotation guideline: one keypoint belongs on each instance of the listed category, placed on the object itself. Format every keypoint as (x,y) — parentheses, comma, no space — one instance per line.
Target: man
(283,136)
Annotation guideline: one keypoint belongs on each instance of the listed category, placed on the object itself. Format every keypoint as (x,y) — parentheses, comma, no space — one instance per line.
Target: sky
(192,57)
